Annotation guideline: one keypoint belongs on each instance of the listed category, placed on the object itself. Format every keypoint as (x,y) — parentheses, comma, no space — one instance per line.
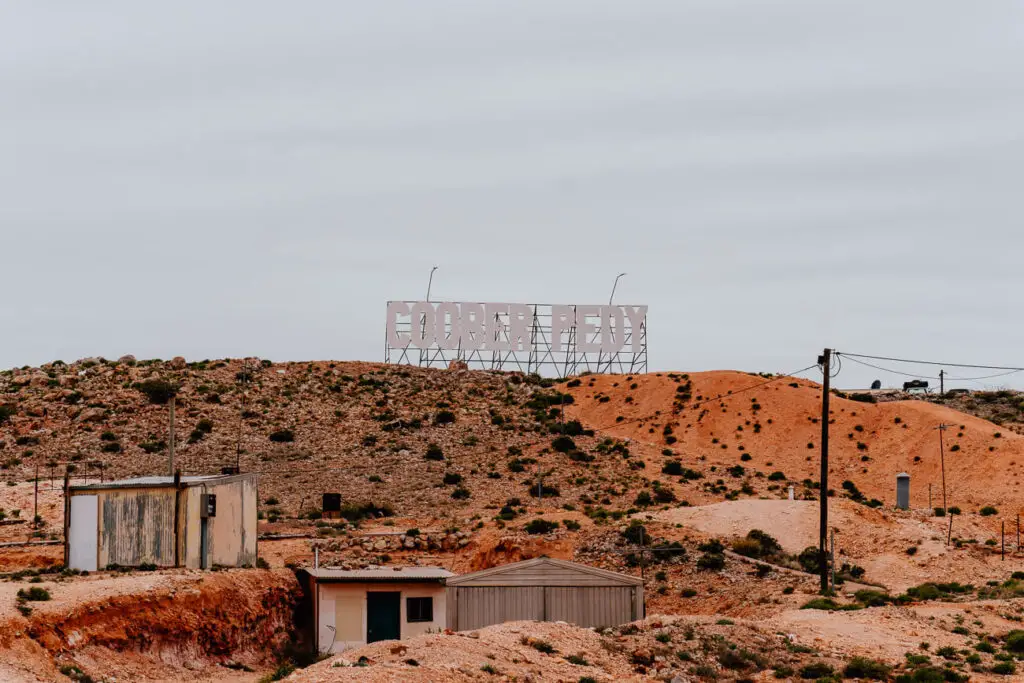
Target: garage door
(590,606)
(483,606)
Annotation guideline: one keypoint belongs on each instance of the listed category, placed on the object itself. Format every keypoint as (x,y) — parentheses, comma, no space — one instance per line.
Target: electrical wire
(930,362)
(974,379)
(895,372)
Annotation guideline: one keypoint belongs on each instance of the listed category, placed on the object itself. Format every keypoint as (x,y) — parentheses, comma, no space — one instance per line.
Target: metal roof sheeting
(377,575)
(154,482)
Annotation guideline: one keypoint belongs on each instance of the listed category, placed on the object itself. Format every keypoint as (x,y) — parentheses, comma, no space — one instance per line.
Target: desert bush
(988,511)
(282,436)
(460,493)
(869,669)
(563,444)
(34,594)
(828,605)
(816,670)
(673,467)
(540,526)
(711,561)
(434,452)
(443,417)
(158,391)
(1015,641)
(810,559)
(1004,668)
(452,478)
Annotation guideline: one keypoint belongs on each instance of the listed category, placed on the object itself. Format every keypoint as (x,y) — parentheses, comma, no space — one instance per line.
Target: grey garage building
(543,589)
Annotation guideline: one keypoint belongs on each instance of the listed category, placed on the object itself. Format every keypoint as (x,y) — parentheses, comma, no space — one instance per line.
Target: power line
(895,372)
(931,362)
(973,379)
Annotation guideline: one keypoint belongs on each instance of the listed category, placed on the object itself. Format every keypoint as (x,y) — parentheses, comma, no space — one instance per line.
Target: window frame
(419,619)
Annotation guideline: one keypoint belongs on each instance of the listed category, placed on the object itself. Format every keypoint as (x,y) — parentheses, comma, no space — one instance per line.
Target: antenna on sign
(424,353)
(615,286)
(430,282)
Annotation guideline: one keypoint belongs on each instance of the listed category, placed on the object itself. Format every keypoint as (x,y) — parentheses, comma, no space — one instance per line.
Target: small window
(419,609)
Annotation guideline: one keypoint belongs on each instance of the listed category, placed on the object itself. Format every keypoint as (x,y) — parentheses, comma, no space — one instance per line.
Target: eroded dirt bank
(172,626)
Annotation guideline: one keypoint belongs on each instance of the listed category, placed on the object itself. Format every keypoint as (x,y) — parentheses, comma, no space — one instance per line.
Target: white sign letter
(423,325)
(495,324)
(637,316)
(473,335)
(397,340)
(563,318)
(585,330)
(613,337)
(448,317)
(520,319)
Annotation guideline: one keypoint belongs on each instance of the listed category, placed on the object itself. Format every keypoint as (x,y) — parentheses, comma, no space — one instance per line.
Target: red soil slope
(778,425)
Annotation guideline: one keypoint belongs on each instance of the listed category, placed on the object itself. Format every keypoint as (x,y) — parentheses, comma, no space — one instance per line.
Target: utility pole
(170,444)
(832,556)
(942,381)
(35,513)
(826,366)
(942,462)
(241,414)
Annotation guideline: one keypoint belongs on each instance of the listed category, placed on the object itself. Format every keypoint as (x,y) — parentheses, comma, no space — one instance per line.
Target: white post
(316,557)
(791,496)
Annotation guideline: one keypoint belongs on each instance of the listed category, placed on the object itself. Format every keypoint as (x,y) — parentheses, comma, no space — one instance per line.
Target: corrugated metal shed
(161,521)
(544,589)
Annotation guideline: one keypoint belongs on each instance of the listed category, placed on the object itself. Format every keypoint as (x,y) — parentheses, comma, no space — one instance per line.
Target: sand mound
(877,540)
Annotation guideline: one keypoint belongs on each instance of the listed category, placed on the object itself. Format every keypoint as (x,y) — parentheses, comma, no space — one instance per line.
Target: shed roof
(545,571)
(157,482)
(404,574)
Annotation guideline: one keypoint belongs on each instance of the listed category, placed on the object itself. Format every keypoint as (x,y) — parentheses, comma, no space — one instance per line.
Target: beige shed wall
(231,533)
(343,606)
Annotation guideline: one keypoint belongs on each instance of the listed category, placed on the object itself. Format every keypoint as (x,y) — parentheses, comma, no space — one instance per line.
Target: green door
(383,616)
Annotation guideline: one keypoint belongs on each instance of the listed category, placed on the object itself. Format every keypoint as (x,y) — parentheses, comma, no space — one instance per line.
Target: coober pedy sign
(558,339)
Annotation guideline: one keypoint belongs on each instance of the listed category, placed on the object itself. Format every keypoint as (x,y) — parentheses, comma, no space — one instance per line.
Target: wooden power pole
(942,463)
(826,365)
(942,381)
(170,444)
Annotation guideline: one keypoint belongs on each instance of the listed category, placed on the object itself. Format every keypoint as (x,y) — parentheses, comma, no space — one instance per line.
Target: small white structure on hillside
(360,606)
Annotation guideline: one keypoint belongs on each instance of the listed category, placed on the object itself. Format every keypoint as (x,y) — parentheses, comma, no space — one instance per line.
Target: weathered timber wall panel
(136,527)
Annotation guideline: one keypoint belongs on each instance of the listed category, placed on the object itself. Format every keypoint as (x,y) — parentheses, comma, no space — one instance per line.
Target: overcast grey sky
(259,178)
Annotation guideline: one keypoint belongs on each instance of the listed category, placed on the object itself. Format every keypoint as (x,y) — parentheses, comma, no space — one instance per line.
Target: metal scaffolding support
(541,357)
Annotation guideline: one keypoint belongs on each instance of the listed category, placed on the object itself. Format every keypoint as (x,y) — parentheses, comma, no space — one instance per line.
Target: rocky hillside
(421,443)
(435,445)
